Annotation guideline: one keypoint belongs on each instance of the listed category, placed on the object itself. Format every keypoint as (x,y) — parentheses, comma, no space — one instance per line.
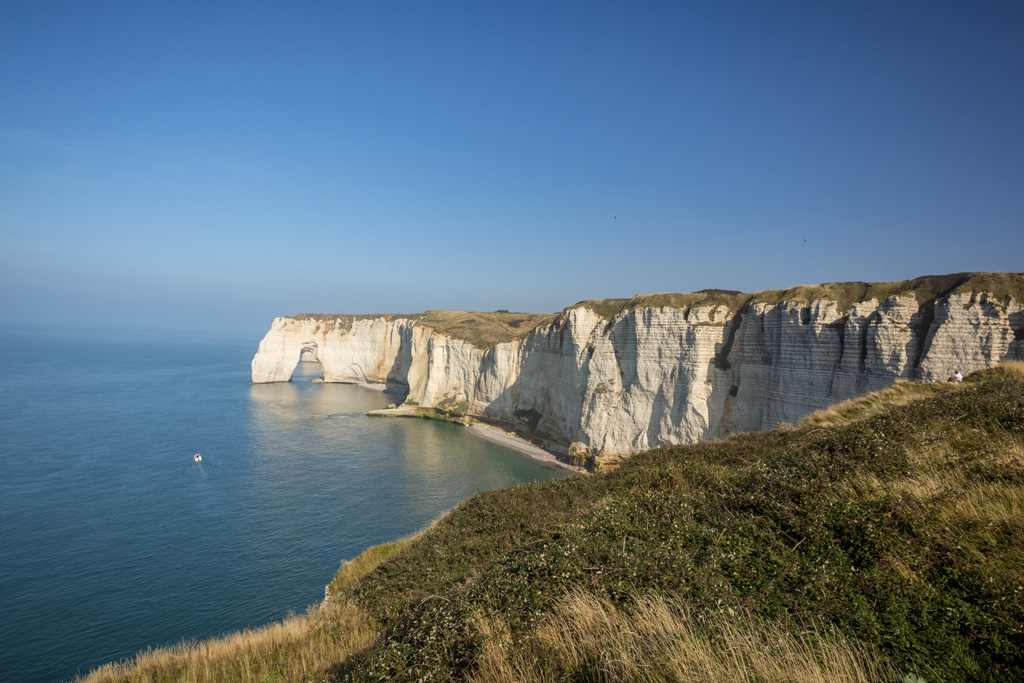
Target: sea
(113,539)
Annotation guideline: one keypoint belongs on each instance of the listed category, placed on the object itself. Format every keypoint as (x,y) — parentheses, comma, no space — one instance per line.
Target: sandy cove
(484,431)
(500,437)
(489,433)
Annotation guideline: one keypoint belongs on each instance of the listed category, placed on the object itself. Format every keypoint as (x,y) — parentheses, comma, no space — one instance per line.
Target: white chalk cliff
(606,385)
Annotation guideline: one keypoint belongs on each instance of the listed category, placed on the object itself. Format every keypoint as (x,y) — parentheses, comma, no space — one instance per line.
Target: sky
(203,167)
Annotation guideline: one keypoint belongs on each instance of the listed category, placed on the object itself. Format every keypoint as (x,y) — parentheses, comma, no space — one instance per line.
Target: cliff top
(481,329)
(924,289)
(484,330)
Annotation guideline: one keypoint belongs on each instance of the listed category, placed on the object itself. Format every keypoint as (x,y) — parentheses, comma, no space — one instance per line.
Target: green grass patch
(439,415)
(350,572)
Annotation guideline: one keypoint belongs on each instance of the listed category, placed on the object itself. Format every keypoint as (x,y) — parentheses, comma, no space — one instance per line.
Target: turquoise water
(113,540)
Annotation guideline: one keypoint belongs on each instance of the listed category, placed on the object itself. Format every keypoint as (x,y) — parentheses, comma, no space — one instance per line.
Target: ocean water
(113,540)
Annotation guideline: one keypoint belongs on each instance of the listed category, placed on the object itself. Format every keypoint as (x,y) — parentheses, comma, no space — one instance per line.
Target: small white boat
(197,457)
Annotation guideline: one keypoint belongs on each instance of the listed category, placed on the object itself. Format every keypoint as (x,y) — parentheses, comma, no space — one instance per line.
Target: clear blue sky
(207,166)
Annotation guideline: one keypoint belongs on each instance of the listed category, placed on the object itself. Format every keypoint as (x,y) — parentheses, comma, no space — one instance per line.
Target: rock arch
(308,365)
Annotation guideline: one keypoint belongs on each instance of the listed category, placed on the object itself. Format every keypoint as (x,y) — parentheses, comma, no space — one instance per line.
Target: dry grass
(483,330)
(983,506)
(900,393)
(314,646)
(586,638)
(845,294)
(300,648)
(923,289)
(609,308)
(1012,367)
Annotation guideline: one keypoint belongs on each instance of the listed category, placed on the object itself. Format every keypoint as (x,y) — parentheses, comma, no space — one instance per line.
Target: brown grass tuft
(985,508)
(1011,367)
(900,393)
(586,638)
(300,648)
(483,330)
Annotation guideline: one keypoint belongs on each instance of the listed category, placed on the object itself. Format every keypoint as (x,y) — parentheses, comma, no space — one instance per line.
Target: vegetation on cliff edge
(926,289)
(485,330)
(482,330)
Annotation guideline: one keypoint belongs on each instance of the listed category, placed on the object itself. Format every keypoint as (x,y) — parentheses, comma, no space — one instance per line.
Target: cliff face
(603,383)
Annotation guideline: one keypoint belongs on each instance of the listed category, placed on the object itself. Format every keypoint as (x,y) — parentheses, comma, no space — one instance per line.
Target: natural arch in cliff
(308,366)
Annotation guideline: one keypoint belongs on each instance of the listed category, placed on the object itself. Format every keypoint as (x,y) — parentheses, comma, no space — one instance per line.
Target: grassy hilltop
(882,539)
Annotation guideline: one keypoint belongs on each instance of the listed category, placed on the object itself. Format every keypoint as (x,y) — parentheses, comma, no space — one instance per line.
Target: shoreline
(483,431)
(500,437)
